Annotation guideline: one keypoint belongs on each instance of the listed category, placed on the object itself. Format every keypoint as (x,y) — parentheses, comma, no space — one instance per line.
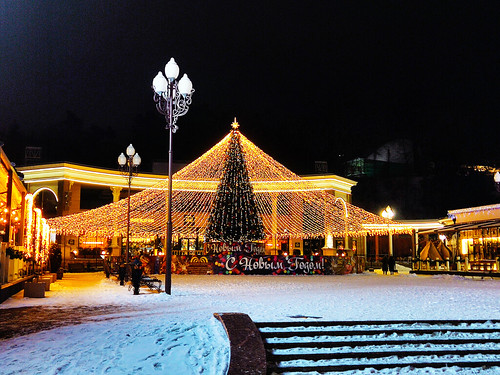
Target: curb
(248,355)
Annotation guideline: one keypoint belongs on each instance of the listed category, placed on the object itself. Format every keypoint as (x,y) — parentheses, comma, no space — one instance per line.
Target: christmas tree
(234,216)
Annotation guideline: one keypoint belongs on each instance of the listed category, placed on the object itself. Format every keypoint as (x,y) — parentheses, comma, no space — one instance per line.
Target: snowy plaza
(178,334)
(310,188)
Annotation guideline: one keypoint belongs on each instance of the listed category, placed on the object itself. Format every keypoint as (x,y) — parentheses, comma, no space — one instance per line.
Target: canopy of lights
(289,205)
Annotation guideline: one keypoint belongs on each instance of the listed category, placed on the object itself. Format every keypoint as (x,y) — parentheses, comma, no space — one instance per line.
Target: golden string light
(29,225)
(37,231)
(289,205)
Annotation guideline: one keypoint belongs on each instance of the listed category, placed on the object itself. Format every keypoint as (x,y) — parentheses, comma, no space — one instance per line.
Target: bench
(151,282)
(76,267)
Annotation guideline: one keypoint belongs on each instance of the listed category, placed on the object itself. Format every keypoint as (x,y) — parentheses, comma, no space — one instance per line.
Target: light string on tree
(234,216)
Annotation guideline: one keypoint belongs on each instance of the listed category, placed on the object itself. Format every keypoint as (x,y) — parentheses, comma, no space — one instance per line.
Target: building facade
(473,235)
(24,233)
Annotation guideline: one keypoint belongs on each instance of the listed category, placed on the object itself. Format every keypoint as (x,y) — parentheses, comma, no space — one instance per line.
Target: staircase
(320,347)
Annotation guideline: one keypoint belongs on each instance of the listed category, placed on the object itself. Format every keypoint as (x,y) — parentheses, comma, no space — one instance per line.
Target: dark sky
(307,80)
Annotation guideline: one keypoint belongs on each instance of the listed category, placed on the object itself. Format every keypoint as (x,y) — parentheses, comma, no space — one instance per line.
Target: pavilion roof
(290,206)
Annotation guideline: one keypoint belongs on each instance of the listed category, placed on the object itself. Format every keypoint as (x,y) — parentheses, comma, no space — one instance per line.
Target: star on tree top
(235,124)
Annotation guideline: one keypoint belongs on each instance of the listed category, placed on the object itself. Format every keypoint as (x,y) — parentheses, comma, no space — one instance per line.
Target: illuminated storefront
(473,237)
(477,235)
(24,233)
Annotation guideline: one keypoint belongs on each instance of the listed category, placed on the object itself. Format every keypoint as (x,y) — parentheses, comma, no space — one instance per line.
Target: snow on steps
(319,347)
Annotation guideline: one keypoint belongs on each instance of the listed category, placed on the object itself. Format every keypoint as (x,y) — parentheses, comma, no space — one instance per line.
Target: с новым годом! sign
(238,263)
(269,264)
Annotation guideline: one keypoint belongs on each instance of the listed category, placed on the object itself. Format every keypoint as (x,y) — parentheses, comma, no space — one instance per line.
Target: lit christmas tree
(234,216)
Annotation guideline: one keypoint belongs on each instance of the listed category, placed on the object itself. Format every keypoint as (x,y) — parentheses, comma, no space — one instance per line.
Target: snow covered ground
(157,333)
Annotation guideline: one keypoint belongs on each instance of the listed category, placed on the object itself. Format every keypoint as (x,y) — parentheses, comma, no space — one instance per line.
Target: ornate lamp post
(496,178)
(128,166)
(388,213)
(172,100)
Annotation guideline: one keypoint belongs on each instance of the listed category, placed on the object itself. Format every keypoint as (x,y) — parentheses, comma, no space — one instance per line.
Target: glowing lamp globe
(136,161)
(172,70)
(185,85)
(130,150)
(122,159)
(160,83)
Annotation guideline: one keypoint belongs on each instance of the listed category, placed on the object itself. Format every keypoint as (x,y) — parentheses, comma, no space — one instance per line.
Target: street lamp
(346,215)
(172,100)
(496,178)
(128,166)
(388,213)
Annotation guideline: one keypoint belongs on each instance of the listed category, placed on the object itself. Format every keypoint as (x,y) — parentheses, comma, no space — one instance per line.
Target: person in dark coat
(136,275)
(392,264)
(122,269)
(385,265)
(107,268)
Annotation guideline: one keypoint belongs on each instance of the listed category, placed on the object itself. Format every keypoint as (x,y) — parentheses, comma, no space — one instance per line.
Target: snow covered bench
(151,282)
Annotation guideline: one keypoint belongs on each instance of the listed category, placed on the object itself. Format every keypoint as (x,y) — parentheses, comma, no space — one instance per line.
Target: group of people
(139,264)
(136,272)
(388,265)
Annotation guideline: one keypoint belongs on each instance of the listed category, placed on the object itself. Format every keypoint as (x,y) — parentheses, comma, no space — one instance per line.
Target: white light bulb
(185,85)
(160,83)
(136,161)
(122,159)
(172,70)
(130,150)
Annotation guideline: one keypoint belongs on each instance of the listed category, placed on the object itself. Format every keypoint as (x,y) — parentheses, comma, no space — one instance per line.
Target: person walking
(122,269)
(385,265)
(136,275)
(392,265)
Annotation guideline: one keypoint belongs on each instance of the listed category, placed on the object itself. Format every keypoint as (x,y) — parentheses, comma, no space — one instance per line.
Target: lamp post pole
(172,100)
(128,165)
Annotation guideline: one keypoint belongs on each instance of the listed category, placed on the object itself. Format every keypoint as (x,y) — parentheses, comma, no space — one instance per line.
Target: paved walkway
(44,315)
(25,320)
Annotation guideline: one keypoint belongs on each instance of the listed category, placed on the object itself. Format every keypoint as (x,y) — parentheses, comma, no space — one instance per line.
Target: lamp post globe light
(172,99)
(496,178)
(388,213)
(128,165)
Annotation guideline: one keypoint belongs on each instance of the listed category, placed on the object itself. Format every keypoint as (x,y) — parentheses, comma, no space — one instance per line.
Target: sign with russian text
(242,263)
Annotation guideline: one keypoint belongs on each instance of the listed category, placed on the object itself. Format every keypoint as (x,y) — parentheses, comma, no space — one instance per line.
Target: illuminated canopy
(289,205)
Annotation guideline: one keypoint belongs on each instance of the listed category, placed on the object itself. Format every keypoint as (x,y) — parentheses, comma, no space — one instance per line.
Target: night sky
(315,80)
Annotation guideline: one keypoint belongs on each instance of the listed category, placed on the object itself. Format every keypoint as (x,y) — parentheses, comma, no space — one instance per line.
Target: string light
(29,226)
(36,231)
(234,216)
(288,205)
